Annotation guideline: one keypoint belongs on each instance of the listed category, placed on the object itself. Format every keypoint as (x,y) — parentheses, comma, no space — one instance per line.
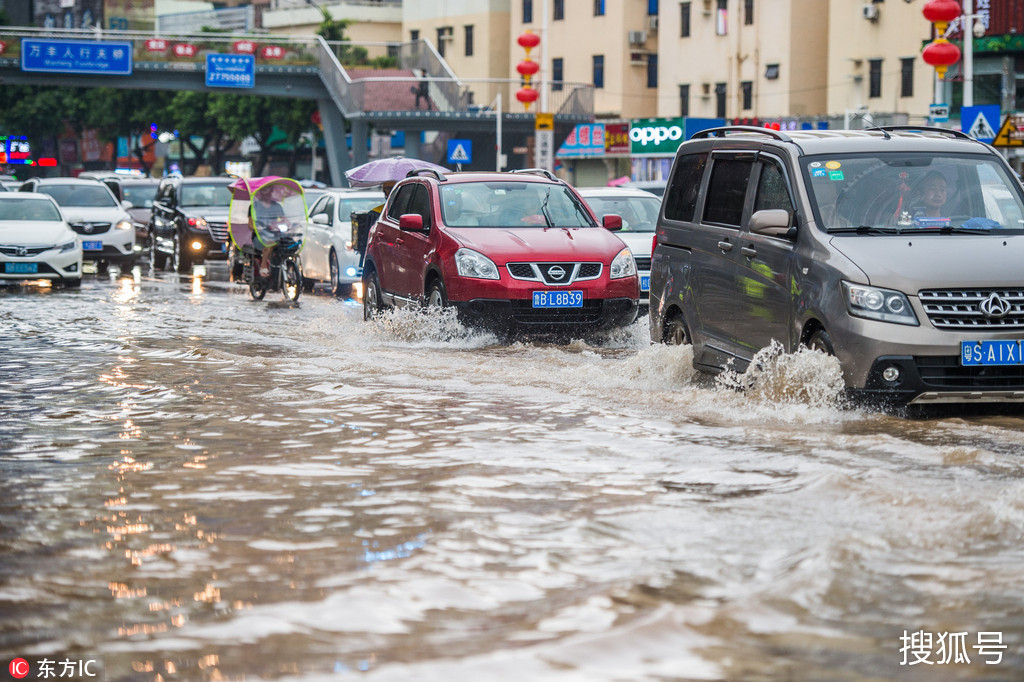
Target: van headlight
(623,265)
(70,246)
(470,263)
(124,225)
(873,303)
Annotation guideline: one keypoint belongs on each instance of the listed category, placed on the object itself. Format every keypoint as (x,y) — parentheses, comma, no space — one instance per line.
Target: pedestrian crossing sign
(980,122)
(460,151)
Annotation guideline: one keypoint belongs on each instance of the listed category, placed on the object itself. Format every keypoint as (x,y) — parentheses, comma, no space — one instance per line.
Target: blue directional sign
(230,70)
(76,56)
(460,151)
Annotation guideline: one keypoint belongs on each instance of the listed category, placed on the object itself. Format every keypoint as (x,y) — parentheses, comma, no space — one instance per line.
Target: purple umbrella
(391,169)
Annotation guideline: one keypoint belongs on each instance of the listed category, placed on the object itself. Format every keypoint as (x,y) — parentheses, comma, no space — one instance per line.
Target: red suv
(517,251)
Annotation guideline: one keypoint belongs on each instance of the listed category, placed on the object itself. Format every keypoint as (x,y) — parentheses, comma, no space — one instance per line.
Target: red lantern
(941,54)
(527,67)
(529,40)
(941,11)
(527,96)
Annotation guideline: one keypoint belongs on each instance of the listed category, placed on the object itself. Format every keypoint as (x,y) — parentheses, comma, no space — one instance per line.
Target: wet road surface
(200,487)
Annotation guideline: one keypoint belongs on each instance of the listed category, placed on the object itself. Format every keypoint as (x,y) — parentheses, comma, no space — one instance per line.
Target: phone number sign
(230,70)
(76,56)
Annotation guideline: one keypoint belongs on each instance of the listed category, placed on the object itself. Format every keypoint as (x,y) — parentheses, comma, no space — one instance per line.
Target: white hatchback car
(639,212)
(36,241)
(328,252)
(92,210)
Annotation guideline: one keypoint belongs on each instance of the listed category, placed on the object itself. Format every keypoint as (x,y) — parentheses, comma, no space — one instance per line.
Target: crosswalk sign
(980,122)
(460,151)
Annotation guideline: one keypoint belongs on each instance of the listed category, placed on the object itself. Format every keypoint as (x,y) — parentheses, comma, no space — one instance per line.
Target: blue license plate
(645,282)
(990,353)
(21,268)
(92,246)
(558,299)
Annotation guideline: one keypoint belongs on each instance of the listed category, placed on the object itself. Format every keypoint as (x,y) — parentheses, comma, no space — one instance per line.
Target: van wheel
(675,331)
(821,341)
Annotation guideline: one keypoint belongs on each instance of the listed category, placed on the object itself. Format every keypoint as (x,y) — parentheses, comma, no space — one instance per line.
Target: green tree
(192,114)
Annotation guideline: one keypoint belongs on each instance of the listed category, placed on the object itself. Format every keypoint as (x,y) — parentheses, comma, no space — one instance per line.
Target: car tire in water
(71,283)
(180,261)
(371,295)
(291,280)
(675,333)
(338,290)
(436,295)
(157,259)
(820,340)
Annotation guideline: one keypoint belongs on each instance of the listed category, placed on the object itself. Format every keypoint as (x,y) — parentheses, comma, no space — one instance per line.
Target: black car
(189,222)
(136,189)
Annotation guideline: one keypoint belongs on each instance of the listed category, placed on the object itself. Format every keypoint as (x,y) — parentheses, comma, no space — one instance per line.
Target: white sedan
(36,241)
(639,211)
(328,252)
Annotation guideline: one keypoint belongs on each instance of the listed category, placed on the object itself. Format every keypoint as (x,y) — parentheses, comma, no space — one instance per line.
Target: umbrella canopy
(391,169)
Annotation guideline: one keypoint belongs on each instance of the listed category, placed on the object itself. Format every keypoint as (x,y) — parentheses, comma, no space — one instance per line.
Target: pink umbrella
(391,169)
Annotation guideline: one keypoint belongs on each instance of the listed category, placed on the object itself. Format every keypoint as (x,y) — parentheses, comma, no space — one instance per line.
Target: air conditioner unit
(705,89)
(652,23)
(637,37)
(870,12)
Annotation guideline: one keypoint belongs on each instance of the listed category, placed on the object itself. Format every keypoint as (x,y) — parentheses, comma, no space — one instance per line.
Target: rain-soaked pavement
(200,487)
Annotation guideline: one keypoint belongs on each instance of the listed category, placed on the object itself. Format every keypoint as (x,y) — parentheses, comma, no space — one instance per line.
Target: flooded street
(201,487)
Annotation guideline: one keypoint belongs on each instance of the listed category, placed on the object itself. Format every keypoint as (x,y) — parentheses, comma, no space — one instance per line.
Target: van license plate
(645,282)
(21,268)
(92,246)
(558,299)
(990,353)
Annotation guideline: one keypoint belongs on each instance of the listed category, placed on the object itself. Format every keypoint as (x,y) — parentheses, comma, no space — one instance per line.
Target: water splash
(805,377)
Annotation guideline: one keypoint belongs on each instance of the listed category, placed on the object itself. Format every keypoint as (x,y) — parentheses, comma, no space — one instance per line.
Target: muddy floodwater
(201,487)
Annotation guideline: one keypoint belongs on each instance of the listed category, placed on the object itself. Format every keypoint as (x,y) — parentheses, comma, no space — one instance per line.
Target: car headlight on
(873,303)
(70,246)
(470,263)
(623,265)
(124,225)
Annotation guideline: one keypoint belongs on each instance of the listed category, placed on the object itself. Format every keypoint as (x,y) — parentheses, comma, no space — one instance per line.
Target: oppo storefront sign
(649,136)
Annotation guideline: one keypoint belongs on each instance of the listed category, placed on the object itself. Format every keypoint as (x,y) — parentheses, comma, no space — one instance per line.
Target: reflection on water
(199,486)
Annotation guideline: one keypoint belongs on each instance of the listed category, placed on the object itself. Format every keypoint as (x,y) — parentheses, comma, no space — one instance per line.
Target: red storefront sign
(616,138)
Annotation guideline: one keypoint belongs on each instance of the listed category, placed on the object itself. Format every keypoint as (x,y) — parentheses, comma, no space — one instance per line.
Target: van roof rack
(420,171)
(926,129)
(538,171)
(724,130)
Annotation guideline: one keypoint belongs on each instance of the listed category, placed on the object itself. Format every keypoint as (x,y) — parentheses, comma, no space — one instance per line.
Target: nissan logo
(995,306)
(556,272)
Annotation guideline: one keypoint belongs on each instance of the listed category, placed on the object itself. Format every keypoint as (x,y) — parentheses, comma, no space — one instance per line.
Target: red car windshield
(512,204)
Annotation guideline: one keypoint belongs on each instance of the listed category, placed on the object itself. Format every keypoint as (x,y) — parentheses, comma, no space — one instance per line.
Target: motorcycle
(268,213)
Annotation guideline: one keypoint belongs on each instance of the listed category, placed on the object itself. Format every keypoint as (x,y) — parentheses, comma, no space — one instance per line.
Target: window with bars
(469,40)
(748,12)
(652,70)
(747,92)
(684,19)
(559,7)
(557,66)
(874,78)
(527,11)
(684,100)
(598,70)
(907,77)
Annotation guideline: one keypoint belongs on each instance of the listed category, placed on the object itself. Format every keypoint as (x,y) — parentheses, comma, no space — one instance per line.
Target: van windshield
(897,192)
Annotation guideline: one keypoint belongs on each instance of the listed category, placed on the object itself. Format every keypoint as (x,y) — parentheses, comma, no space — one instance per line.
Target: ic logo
(19,668)
(995,307)
(556,272)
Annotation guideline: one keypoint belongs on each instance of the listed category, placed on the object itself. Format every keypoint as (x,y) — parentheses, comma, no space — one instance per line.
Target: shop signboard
(616,138)
(655,135)
(585,140)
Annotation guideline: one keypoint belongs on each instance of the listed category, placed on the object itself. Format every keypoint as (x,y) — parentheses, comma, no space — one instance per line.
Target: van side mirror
(411,221)
(612,222)
(773,222)
(127,204)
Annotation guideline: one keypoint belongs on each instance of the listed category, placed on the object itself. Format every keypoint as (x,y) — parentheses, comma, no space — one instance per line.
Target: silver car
(639,212)
(329,253)
(898,250)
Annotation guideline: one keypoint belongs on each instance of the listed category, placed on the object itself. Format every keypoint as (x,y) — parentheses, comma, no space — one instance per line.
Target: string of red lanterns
(940,53)
(527,68)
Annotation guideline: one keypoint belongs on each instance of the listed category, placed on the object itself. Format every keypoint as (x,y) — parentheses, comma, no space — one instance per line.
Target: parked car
(895,249)
(36,241)
(189,222)
(108,235)
(328,253)
(137,193)
(516,252)
(9,183)
(639,212)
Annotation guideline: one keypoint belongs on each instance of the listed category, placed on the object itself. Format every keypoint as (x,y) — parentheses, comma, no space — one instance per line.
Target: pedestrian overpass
(421,94)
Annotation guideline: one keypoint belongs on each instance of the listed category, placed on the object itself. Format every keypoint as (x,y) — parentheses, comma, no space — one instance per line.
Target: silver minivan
(900,250)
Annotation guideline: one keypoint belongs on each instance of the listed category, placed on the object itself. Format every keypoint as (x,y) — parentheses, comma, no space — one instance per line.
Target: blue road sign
(230,70)
(460,151)
(981,122)
(76,56)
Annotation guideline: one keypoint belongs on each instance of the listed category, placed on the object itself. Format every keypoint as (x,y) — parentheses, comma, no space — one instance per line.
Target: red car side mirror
(411,221)
(612,222)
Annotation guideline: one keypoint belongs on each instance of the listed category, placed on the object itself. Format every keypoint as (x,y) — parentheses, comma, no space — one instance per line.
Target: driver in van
(932,192)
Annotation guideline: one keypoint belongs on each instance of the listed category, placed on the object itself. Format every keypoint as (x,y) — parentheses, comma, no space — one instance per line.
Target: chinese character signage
(76,56)
(586,139)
